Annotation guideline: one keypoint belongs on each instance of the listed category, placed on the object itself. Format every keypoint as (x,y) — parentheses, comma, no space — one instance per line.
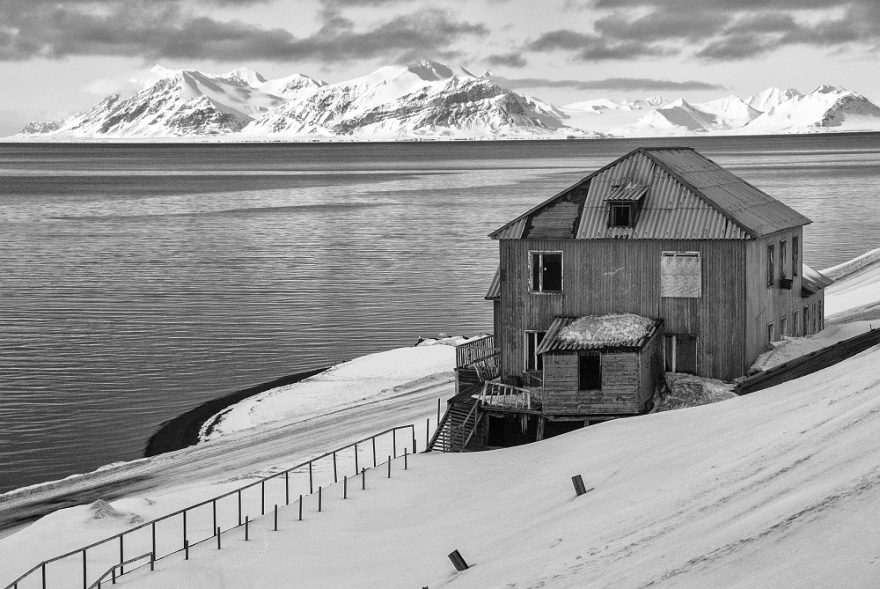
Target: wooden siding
(623,276)
(620,385)
(650,369)
(767,304)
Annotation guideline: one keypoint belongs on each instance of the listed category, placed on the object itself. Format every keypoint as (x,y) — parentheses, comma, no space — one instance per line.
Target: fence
(179,531)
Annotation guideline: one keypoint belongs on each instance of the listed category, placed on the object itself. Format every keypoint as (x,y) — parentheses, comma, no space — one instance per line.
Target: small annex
(705,267)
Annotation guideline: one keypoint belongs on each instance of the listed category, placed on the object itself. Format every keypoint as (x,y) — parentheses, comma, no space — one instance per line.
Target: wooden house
(665,234)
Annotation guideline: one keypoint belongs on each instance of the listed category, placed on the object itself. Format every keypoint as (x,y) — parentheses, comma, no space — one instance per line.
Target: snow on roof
(597,331)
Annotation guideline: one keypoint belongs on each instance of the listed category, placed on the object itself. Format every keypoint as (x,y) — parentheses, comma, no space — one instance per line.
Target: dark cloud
(590,47)
(618,84)
(717,30)
(170,29)
(512,59)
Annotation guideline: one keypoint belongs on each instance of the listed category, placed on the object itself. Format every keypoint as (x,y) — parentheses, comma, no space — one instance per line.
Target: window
(533,360)
(795,255)
(590,372)
(820,316)
(680,275)
(680,353)
(771,272)
(807,321)
(783,259)
(769,332)
(621,215)
(546,272)
(795,324)
(783,327)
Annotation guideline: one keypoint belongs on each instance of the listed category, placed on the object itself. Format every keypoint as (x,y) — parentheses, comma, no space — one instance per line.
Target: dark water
(137,282)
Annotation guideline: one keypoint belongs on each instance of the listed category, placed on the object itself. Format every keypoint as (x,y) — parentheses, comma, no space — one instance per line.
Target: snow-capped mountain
(772,111)
(425,99)
(422,100)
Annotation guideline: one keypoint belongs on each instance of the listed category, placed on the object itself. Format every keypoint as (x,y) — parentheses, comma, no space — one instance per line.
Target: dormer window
(621,215)
(624,201)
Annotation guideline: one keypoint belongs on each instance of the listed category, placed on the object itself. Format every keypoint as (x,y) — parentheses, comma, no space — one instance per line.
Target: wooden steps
(457,425)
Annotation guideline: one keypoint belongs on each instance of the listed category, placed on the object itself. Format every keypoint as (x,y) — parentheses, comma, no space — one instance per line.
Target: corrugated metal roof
(600,337)
(627,191)
(688,196)
(495,287)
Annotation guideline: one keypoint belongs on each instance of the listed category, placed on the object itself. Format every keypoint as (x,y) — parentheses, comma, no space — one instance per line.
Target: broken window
(770,337)
(783,327)
(533,360)
(621,215)
(590,372)
(795,254)
(771,272)
(546,271)
(783,259)
(680,353)
(680,275)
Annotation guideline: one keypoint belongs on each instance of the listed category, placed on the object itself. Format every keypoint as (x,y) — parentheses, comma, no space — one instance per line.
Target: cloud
(512,59)
(590,47)
(170,29)
(618,84)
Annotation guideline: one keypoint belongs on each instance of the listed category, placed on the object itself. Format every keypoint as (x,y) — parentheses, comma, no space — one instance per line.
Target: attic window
(621,215)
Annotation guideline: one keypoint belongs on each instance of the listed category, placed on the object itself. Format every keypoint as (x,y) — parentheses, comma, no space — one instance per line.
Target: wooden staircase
(458,425)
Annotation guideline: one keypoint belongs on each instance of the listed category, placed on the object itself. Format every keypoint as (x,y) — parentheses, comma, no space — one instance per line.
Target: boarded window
(771,271)
(546,271)
(680,352)
(795,256)
(680,275)
(783,259)
(590,372)
(533,360)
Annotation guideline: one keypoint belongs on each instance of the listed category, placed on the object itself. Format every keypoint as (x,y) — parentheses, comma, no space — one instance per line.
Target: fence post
(374,450)
(85,580)
(311,486)
(263,497)
(438,411)
(153,526)
(186,550)
(43,569)
(218,538)
(184,528)
(214,513)
(239,507)
(394,442)
(112,577)
(319,498)
(300,507)
(345,487)
(427,433)
(286,487)
(276,517)
(405,456)
(335,478)
(246,521)
(355,457)
(413,438)
(121,555)
(152,561)
(363,479)
(389,467)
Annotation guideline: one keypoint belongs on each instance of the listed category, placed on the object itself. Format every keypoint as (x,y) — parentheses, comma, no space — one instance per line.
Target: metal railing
(173,533)
(496,394)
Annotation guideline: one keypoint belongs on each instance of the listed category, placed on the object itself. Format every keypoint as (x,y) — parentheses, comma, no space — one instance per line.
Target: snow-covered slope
(767,99)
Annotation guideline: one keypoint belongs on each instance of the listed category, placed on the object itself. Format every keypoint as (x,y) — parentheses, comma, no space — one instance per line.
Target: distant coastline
(183,430)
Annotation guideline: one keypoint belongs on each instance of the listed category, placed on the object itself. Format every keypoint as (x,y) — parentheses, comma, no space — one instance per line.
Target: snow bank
(606,330)
(365,379)
(856,288)
(850,266)
(687,390)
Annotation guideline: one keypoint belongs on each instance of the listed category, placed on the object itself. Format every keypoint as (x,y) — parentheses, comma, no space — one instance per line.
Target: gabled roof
(687,196)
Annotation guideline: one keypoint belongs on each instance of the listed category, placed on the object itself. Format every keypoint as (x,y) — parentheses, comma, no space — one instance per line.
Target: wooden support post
(345,487)
(239,507)
(43,571)
(85,580)
(578,483)
(121,555)
(363,479)
(214,514)
(458,561)
(184,528)
(311,483)
(389,467)
(414,439)
(355,458)
(263,497)
(153,528)
(394,442)
(319,498)
(276,517)
(438,411)
(300,507)
(112,577)
(286,487)
(405,456)
(374,451)
(335,477)
(186,550)
(540,435)
(152,561)
(246,521)
(218,539)
(427,433)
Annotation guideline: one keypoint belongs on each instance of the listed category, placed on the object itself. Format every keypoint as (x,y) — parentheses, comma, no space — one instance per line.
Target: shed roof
(687,196)
(597,332)
(812,281)
(495,288)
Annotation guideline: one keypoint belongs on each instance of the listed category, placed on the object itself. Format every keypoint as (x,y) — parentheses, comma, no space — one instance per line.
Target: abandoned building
(661,261)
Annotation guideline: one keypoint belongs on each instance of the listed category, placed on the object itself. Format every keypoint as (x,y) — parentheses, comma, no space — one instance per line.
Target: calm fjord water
(138,281)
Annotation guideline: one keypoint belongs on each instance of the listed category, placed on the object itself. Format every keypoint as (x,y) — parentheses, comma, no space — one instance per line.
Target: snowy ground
(767,490)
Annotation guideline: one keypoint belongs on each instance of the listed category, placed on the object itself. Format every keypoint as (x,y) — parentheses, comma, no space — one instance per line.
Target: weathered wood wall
(620,385)
(650,369)
(623,276)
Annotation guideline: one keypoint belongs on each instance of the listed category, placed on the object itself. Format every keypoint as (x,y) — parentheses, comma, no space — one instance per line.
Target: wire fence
(177,532)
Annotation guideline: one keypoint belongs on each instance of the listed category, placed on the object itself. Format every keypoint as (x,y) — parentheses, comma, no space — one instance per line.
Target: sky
(58,57)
